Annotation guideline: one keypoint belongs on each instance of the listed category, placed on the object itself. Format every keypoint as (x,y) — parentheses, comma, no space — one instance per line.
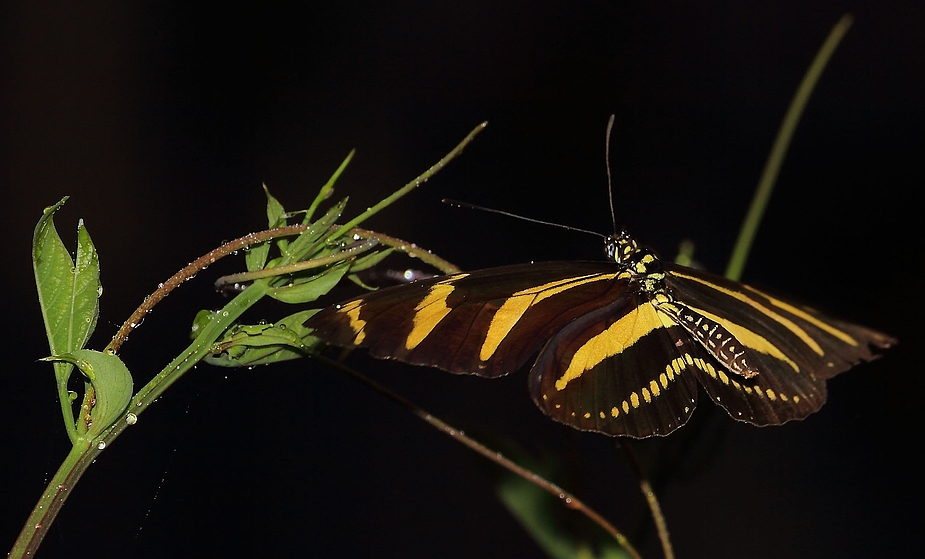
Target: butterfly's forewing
(489,322)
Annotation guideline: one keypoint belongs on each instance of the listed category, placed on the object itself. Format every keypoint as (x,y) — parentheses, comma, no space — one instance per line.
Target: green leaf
(310,241)
(256,256)
(276,214)
(370,260)
(328,188)
(203,318)
(111,381)
(68,292)
(261,344)
(306,290)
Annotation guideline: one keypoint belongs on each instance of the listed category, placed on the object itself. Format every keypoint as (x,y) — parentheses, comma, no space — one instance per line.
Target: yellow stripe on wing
(623,333)
(840,334)
(513,309)
(431,310)
(795,329)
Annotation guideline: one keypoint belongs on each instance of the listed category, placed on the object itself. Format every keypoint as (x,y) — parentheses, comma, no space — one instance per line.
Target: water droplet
(99,291)
(102,445)
(131,418)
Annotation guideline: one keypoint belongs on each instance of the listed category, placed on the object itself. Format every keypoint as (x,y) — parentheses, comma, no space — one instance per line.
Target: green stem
(190,271)
(779,149)
(424,177)
(67,410)
(46,509)
(347,252)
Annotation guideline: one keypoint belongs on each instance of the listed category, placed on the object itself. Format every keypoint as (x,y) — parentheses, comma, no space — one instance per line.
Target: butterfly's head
(620,247)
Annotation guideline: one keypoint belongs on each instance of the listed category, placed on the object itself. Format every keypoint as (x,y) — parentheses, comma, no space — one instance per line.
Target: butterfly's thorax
(639,265)
(642,267)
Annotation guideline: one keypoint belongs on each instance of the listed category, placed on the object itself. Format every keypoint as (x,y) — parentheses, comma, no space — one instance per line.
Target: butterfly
(621,344)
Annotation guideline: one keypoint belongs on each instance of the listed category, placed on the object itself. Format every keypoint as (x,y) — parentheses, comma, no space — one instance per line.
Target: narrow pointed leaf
(328,188)
(311,290)
(310,241)
(370,260)
(276,214)
(256,257)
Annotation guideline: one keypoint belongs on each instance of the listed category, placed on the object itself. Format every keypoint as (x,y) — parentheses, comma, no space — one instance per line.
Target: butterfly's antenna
(509,214)
(613,216)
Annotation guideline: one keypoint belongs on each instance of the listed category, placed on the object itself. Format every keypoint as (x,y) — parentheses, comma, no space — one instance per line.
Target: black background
(161,120)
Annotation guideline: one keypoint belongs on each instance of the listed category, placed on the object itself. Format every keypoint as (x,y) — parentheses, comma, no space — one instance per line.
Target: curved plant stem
(779,149)
(410,249)
(349,251)
(190,271)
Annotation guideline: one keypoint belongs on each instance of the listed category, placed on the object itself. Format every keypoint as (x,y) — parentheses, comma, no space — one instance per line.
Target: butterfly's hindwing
(619,370)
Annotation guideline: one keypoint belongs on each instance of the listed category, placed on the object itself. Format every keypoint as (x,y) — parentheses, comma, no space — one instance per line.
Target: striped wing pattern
(609,360)
(457,323)
(794,348)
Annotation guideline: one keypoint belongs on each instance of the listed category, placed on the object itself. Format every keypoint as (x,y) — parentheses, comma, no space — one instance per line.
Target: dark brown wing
(488,322)
(794,348)
(624,369)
